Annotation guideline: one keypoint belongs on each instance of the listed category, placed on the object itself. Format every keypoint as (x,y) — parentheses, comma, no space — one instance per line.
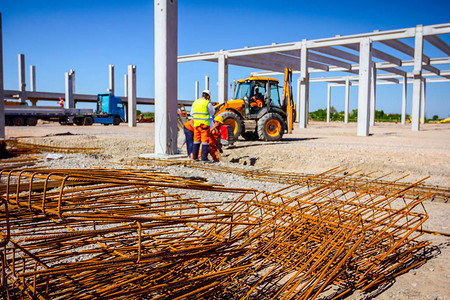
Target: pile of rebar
(134,234)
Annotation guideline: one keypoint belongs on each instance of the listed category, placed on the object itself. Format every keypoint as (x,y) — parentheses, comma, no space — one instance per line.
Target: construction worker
(257,99)
(214,146)
(201,111)
(189,136)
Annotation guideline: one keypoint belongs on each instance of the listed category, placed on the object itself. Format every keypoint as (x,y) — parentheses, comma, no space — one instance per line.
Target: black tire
(32,121)
(116,121)
(232,119)
(19,121)
(271,127)
(78,121)
(88,121)
(8,121)
(250,136)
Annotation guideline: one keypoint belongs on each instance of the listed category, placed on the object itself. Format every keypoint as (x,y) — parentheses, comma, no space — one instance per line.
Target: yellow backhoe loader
(257,111)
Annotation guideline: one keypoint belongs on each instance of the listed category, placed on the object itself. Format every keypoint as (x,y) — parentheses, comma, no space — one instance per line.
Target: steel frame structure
(354,54)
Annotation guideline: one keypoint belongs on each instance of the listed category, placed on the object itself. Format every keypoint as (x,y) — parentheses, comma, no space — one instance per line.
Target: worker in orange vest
(201,111)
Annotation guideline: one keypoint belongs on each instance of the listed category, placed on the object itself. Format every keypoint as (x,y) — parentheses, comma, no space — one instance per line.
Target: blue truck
(110,110)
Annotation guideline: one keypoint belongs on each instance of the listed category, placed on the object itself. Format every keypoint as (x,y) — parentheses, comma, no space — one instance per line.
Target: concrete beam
(111,79)
(304,86)
(166,84)
(402,47)
(206,82)
(33,78)
(438,43)
(365,60)
(379,54)
(223,79)
(132,96)
(2,104)
(417,79)
(329,60)
(373,93)
(423,102)
(22,82)
(196,96)
(328,102)
(347,99)
(338,53)
(404,94)
(68,97)
(125,85)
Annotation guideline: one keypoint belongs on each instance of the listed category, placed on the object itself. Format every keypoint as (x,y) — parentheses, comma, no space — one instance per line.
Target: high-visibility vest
(200,112)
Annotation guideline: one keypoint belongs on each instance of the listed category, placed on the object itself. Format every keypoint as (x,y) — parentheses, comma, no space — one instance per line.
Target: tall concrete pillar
(347,99)
(2,104)
(328,102)
(206,82)
(166,85)
(404,94)
(365,59)
(125,85)
(304,86)
(223,78)
(233,90)
(417,78)
(423,102)
(297,111)
(22,82)
(131,96)
(72,79)
(373,93)
(68,100)
(111,79)
(33,78)
(196,96)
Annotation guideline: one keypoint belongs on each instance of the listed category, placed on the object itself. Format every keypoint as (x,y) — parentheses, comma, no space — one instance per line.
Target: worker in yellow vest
(201,112)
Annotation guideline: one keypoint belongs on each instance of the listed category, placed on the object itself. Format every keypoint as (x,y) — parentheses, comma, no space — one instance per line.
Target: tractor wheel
(78,121)
(232,119)
(271,127)
(116,121)
(32,121)
(88,121)
(8,121)
(19,121)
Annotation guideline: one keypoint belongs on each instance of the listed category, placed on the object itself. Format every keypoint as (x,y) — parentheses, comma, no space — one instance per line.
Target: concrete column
(347,99)
(22,83)
(365,58)
(373,93)
(132,96)
(417,78)
(206,82)
(2,104)
(304,86)
(166,85)
(125,85)
(234,88)
(297,111)
(404,93)
(111,79)
(68,100)
(328,102)
(223,78)
(33,78)
(196,96)
(72,79)
(423,102)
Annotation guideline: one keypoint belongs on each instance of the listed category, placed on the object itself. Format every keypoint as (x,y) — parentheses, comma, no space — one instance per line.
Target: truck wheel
(271,127)
(32,121)
(78,121)
(232,119)
(116,121)
(8,121)
(18,121)
(88,121)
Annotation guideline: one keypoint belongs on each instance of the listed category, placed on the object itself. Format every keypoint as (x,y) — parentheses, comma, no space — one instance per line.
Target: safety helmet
(218,119)
(207,92)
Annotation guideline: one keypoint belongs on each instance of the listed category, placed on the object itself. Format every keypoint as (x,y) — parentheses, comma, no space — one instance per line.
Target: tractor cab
(257,93)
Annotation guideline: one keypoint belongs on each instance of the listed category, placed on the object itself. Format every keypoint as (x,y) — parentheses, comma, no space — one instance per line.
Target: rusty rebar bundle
(134,234)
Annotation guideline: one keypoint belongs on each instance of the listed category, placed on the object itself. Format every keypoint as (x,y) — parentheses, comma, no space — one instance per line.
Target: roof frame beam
(402,47)
(438,43)
(378,54)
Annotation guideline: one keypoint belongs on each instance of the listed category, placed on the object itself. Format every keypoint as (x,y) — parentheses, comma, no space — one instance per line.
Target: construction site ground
(391,150)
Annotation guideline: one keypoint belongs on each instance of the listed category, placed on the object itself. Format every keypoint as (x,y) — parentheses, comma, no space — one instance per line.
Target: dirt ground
(391,149)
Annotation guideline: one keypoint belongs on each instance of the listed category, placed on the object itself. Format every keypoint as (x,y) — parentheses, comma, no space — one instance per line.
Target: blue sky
(87,36)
